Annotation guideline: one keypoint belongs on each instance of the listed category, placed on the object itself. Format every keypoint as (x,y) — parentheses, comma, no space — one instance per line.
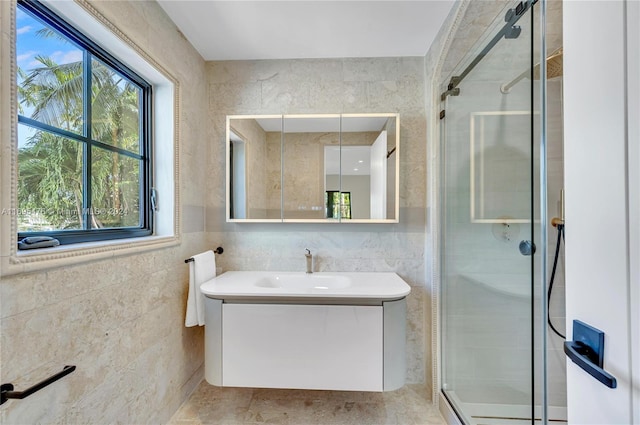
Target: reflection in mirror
(313,168)
(367,166)
(304,162)
(337,204)
(254,163)
(499,148)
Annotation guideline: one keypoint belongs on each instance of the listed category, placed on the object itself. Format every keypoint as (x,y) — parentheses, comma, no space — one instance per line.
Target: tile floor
(208,404)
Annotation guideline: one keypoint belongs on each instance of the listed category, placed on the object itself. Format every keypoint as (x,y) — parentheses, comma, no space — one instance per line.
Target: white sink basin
(376,286)
(304,281)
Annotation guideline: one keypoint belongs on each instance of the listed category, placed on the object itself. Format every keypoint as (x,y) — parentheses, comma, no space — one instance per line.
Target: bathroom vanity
(329,331)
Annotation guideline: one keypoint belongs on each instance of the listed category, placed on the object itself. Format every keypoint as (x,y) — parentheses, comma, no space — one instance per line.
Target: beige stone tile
(412,184)
(285,97)
(128,17)
(193,218)
(248,71)
(413,137)
(394,95)
(235,98)
(17,295)
(340,96)
(411,68)
(118,320)
(408,405)
(371,69)
(312,70)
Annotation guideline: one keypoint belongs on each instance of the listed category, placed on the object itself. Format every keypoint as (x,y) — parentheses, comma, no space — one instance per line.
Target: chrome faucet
(309,261)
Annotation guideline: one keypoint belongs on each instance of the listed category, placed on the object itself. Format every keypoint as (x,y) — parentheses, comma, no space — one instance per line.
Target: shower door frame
(435,217)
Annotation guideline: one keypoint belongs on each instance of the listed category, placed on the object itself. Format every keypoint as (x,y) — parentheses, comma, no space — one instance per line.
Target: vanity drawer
(333,347)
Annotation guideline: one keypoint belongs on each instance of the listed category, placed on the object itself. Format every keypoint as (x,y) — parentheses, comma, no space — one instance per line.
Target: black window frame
(92,50)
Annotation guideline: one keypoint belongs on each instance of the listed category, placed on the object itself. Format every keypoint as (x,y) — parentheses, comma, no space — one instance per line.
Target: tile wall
(329,86)
(119,320)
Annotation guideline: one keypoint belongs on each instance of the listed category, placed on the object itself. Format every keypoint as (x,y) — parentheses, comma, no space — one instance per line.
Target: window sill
(67,255)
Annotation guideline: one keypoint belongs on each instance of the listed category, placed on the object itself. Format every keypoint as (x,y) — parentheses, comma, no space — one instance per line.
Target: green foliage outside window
(81,166)
(337,204)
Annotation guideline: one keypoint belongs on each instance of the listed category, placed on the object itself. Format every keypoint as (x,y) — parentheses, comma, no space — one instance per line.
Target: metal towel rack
(218,250)
(6,391)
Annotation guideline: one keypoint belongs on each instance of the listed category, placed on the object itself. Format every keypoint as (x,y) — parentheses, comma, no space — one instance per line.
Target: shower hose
(553,274)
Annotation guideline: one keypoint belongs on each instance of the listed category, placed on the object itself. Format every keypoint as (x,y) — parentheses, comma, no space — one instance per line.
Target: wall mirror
(254,158)
(325,168)
(304,162)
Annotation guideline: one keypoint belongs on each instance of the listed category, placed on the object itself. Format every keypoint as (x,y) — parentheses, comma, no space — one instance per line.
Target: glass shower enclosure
(493,341)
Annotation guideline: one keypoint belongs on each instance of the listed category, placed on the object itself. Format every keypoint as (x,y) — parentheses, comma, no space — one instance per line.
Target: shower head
(554,66)
(554,69)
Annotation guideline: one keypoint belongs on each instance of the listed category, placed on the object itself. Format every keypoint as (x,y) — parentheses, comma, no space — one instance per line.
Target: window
(237,177)
(337,204)
(84,142)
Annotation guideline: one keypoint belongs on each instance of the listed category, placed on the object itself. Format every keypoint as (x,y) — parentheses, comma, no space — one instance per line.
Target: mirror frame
(396,152)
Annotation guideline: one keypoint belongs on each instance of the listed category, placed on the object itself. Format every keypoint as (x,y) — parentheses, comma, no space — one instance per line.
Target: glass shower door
(487,239)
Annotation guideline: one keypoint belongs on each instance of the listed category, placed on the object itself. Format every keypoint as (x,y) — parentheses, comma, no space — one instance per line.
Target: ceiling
(347,160)
(245,30)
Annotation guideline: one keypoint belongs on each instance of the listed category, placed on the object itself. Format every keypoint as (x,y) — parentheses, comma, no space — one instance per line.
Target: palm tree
(51,180)
(54,92)
(116,122)
(50,166)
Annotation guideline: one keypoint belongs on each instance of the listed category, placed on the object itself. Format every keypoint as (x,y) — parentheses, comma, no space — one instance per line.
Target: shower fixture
(554,69)
(559,221)
(560,227)
(452,90)
(509,31)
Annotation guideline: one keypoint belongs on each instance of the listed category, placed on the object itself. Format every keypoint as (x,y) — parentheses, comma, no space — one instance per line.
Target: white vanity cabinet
(306,346)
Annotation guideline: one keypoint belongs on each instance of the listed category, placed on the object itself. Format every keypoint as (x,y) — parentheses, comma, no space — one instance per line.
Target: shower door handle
(578,352)
(587,351)
(527,247)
